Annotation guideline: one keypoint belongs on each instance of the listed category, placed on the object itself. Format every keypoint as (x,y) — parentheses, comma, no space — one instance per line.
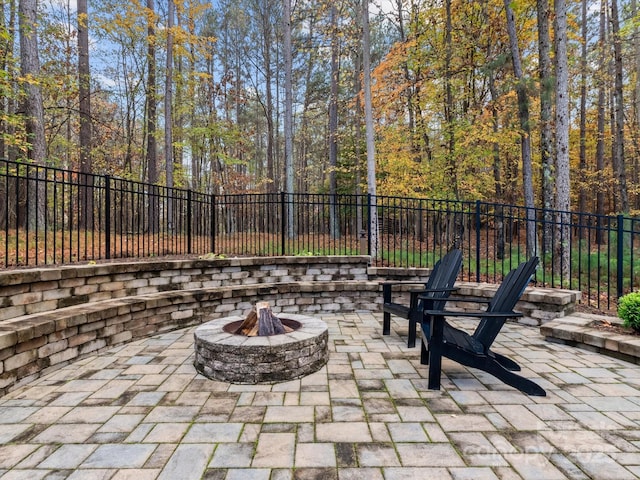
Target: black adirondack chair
(440,339)
(434,291)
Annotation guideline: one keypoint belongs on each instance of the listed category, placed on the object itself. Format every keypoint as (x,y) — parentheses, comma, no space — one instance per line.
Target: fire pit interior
(263,322)
(233,327)
(223,353)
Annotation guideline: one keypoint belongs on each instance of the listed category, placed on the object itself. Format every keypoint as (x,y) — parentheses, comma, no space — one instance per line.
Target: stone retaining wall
(51,316)
(25,292)
(580,330)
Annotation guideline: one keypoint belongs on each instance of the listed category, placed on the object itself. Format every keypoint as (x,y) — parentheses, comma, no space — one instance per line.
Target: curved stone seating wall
(25,292)
(51,316)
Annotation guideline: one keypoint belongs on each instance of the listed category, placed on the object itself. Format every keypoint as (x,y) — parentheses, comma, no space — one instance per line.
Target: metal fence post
(478,227)
(107,216)
(213,223)
(620,255)
(368,224)
(189,219)
(283,227)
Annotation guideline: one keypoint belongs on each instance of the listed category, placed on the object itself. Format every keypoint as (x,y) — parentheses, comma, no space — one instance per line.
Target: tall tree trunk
(618,157)
(448,104)
(273,184)
(582,196)
(7,102)
(456,231)
(546,135)
(9,107)
(238,100)
(217,166)
(33,108)
(151,155)
(409,83)
(277,113)
(600,141)
(525,135)
(5,48)
(84,92)
(178,129)
(84,87)
(168,111)
(30,69)
(357,127)
(13,104)
(636,52)
(421,129)
(636,49)
(304,137)
(369,132)
(563,203)
(497,168)
(288,118)
(196,171)
(333,123)
(71,104)
(497,161)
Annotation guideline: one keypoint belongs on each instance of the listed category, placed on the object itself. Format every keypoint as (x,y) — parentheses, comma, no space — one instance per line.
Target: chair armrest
(432,290)
(445,313)
(405,282)
(387,288)
(470,299)
(428,299)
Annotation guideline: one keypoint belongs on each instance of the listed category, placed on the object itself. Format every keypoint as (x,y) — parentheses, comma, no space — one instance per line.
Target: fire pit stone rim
(307,346)
(213,332)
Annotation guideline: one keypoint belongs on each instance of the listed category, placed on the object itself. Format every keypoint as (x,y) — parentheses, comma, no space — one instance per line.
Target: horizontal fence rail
(51,216)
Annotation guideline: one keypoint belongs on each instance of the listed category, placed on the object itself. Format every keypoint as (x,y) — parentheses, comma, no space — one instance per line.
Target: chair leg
(386,318)
(411,341)
(516,381)
(435,369)
(386,323)
(424,352)
(506,362)
(435,352)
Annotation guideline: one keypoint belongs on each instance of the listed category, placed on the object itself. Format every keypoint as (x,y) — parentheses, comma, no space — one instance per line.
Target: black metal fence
(54,216)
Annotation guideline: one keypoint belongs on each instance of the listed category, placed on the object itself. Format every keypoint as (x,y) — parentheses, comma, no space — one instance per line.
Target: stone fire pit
(225,356)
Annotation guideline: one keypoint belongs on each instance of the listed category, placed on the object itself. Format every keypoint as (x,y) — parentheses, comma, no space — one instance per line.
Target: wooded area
(518,102)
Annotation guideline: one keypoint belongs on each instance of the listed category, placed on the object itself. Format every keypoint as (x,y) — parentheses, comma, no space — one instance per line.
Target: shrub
(629,310)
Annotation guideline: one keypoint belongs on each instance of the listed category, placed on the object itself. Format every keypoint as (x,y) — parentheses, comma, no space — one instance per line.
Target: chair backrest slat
(443,276)
(504,300)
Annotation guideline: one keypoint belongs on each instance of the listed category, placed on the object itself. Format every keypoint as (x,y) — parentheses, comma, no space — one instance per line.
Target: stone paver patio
(141,412)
